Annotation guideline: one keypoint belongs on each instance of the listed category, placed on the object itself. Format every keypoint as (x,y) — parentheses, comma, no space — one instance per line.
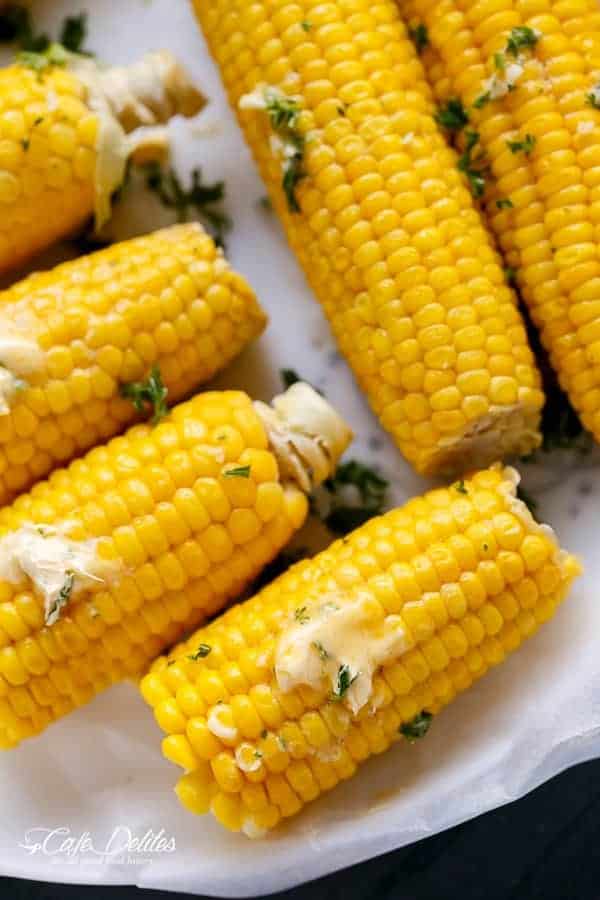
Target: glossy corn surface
(189,510)
(463,574)
(168,299)
(386,232)
(549,233)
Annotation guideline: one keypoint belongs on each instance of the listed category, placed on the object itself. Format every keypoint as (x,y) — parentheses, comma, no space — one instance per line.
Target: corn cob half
(281,698)
(538,122)
(66,133)
(116,557)
(334,105)
(70,340)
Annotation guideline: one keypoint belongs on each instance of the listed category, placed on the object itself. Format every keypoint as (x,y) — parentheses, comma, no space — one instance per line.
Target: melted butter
(19,357)
(339,632)
(58,567)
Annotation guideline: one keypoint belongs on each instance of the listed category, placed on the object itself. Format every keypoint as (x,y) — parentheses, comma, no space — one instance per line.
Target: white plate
(100,773)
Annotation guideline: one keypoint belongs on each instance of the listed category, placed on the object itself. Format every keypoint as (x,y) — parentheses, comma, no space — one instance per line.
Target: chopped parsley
(289,377)
(461,487)
(417,727)
(74,33)
(284,114)
(344,682)
(371,488)
(481,101)
(525,146)
(306,26)
(510,274)
(264,733)
(520,38)
(238,472)
(419,36)
(301,615)
(473,164)
(593,99)
(453,116)
(500,62)
(201,653)
(323,654)
(527,499)
(504,203)
(40,62)
(62,598)
(151,393)
(204,199)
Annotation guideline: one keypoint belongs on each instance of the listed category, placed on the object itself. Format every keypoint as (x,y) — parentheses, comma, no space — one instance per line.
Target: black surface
(545,846)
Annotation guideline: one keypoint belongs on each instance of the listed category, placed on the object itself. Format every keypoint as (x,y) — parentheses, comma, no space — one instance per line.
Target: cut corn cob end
(109,562)
(441,590)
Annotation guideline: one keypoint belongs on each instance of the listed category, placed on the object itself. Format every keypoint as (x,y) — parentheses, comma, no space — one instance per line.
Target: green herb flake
(55,55)
(344,682)
(416,728)
(238,472)
(482,100)
(201,653)
(420,37)
(74,33)
(525,146)
(323,653)
(25,142)
(284,114)
(511,275)
(264,733)
(461,487)
(593,99)
(62,598)
(301,615)
(293,173)
(453,116)
(504,203)
(289,377)
(306,25)
(372,493)
(521,38)
(203,199)
(150,394)
(473,164)
(500,62)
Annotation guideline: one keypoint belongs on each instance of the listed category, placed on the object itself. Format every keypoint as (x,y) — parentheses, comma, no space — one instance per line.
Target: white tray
(100,772)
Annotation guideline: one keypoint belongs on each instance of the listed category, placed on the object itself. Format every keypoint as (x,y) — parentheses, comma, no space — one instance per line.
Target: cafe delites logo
(123,846)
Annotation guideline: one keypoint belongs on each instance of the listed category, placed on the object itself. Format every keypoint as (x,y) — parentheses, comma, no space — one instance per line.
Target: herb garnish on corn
(114,559)
(353,650)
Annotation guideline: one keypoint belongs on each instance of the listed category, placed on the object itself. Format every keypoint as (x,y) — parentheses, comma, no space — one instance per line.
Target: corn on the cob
(282,697)
(334,101)
(79,333)
(66,133)
(114,559)
(539,125)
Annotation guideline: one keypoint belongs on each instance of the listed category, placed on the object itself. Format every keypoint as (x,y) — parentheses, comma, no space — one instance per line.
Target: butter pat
(339,636)
(59,568)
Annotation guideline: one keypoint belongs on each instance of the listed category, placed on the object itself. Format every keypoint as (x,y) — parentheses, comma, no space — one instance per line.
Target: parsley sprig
(345,680)
(452,116)
(151,393)
(416,728)
(203,199)
(344,516)
(521,37)
(525,146)
(284,115)
(62,598)
(419,36)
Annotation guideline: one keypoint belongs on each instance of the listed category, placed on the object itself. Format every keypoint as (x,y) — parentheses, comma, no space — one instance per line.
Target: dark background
(545,846)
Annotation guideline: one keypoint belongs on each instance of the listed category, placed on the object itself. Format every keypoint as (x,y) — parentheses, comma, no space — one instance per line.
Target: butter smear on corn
(58,566)
(306,434)
(341,644)
(19,357)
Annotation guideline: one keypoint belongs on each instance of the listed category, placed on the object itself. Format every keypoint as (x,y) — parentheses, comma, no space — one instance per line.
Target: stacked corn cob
(333,102)
(531,70)
(66,133)
(112,560)
(282,697)
(79,333)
